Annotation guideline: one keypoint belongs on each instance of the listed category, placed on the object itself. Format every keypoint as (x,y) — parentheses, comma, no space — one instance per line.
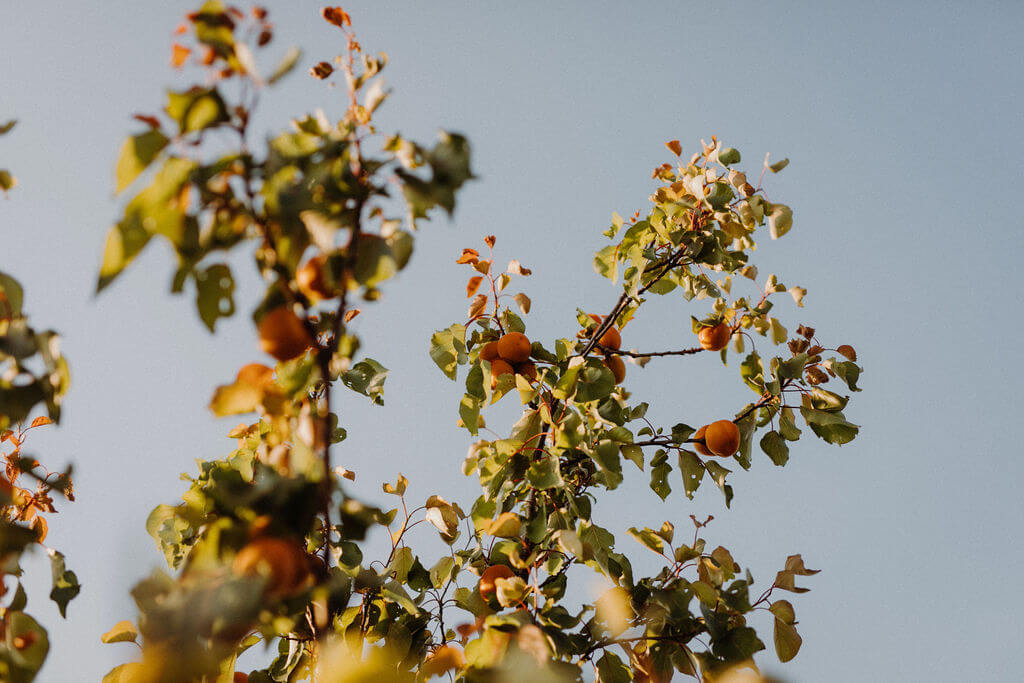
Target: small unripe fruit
(490,575)
(722,438)
(514,347)
(714,338)
(618,368)
(282,334)
(489,352)
(700,447)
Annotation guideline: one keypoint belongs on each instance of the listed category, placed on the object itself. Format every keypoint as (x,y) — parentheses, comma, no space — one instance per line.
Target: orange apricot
(618,368)
(489,577)
(714,338)
(514,347)
(499,368)
(489,352)
(611,338)
(282,334)
(722,438)
(527,370)
(283,562)
(699,445)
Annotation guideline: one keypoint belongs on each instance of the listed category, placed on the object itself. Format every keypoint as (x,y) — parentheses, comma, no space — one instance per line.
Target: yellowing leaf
(523,301)
(123,632)
(517,268)
(473,285)
(477,306)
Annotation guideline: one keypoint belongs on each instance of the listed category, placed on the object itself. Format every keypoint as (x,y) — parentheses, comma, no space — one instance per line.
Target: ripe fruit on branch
(699,445)
(282,334)
(618,368)
(489,577)
(527,370)
(722,438)
(283,562)
(611,338)
(499,368)
(514,347)
(312,279)
(444,658)
(489,352)
(714,338)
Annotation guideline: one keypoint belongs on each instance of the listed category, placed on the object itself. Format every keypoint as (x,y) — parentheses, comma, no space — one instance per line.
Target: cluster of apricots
(714,337)
(721,438)
(611,339)
(283,562)
(509,355)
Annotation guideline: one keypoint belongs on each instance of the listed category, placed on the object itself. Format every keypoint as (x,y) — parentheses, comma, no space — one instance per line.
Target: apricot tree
(267,545)
(33,377)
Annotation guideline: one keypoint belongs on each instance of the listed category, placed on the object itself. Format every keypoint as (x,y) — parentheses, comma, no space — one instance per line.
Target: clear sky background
(903,124)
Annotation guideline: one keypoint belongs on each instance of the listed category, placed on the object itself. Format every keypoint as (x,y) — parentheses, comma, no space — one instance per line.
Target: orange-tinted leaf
(674,145)
(473,285)
(477,306)
(489,241)
(351,314)
(6,434)
(151,121)
(523,301)
(517,268)
(180,29)
(321,70)
(847,351)
(40,421)
(468,256)
(179,53)
(255,375)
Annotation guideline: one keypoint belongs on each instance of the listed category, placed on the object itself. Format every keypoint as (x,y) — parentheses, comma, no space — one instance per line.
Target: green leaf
(215,289)
(11,296)
(787,640)
(729,155)
(7,126)
(595,382)
(19,625)
(65,583)
(127,673)
(830,426)
(606,262)
(441,572)
(196,109)
(648,538)
(775,446)
(780,220)
(779,165)
(448,349)
(718,474)
(123,632)
(692,469)
(544,474)
(606,455)
(469,411)
(610,669)
(659,474)
(367,378)
(374,261)
(137,153)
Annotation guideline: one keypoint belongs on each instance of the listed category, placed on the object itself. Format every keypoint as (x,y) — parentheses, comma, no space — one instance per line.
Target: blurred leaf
(65,583)
(215,288)
(196,108)
(123,632)
(285,66)
(137,153)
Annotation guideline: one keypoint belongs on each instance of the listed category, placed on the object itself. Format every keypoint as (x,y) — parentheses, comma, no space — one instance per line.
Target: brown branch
(650,354)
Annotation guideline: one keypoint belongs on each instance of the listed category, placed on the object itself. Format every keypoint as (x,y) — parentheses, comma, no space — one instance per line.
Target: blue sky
(903,125)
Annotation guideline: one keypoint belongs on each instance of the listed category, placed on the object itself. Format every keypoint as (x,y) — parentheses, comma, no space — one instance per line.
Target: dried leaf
(321,70)
(40,421)
(477,306)
(473,285)
(468,256)
(483,267)
(336,16)
(798,294)
(523,301)
(489,241)
(674,145)
(517,268)
(847,351)
(351,314)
